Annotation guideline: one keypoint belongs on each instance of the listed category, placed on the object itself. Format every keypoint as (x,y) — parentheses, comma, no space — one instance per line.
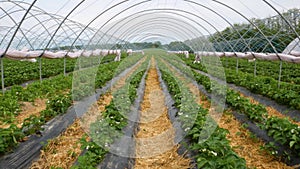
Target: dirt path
(240,138)
(155,147)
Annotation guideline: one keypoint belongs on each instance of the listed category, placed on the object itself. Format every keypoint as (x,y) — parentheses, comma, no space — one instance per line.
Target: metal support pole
(99,59)
(2,75)
(237,65)
(280,72)
(226,62)
(255,68)
(65,66)
(40,66)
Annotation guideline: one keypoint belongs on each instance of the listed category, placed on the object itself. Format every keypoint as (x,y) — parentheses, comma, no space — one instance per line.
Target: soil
(28,109)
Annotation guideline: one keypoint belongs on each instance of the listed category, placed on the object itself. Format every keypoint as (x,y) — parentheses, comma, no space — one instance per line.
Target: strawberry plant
(282,130)
(215,151)
(106,130)
(9,138)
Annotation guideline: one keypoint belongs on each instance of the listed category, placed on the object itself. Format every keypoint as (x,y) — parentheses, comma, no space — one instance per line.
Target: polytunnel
(150,84)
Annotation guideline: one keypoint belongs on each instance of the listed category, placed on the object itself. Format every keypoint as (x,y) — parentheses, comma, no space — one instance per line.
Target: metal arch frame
(12,19)
(253,24)
(59,26)
(1,57)
(131,19)
(16,37)
(280,71)
(157,19)
(178,10)
(98,30)
(51,38)
(157,34)
(39,23)
(73,31)
(167,9)
(42,12)
(148,26)
(52,17)
(166,27)
(286,21)
(115,5)
(31,15)
(124,35)
(10,28)
(220,17)
(143,39)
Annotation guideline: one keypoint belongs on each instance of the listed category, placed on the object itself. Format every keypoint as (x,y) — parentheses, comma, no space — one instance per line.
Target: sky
(135,19)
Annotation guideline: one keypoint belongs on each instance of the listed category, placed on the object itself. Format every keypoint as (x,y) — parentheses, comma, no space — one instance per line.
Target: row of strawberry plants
(18,72)
(85,81)
(281,129)
(287,94)
(9,104)
(215,151)
(263,68)
(10,137)
(57,104)
(266,68)
(112,122)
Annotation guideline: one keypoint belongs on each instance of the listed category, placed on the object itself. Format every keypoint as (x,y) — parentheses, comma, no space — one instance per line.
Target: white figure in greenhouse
(251,60)
(186,54)
(104,52)
(118,56)
(129,52)
(197,57)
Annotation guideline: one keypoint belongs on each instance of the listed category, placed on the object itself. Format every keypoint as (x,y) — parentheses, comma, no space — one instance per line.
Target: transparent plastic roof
(293,46)
(204,25)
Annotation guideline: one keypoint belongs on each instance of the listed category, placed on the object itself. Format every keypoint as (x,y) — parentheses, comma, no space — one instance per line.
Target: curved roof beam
(225,5)
(285,20)
(24,16)
(168,9)
(108,9)
(12,19)
(226,20)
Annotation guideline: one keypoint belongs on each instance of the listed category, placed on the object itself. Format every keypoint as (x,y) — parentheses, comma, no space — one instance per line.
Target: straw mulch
(61,151)
(248,147)
(240,138)
(155,147)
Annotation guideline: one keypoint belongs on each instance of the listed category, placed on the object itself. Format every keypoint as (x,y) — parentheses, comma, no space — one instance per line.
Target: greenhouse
(142,84)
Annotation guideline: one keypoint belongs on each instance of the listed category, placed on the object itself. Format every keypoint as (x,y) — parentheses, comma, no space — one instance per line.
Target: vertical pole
(40,66)
(280,72)
(226,62)
(2,75)
(65,65)
(237,65)
(255,68)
